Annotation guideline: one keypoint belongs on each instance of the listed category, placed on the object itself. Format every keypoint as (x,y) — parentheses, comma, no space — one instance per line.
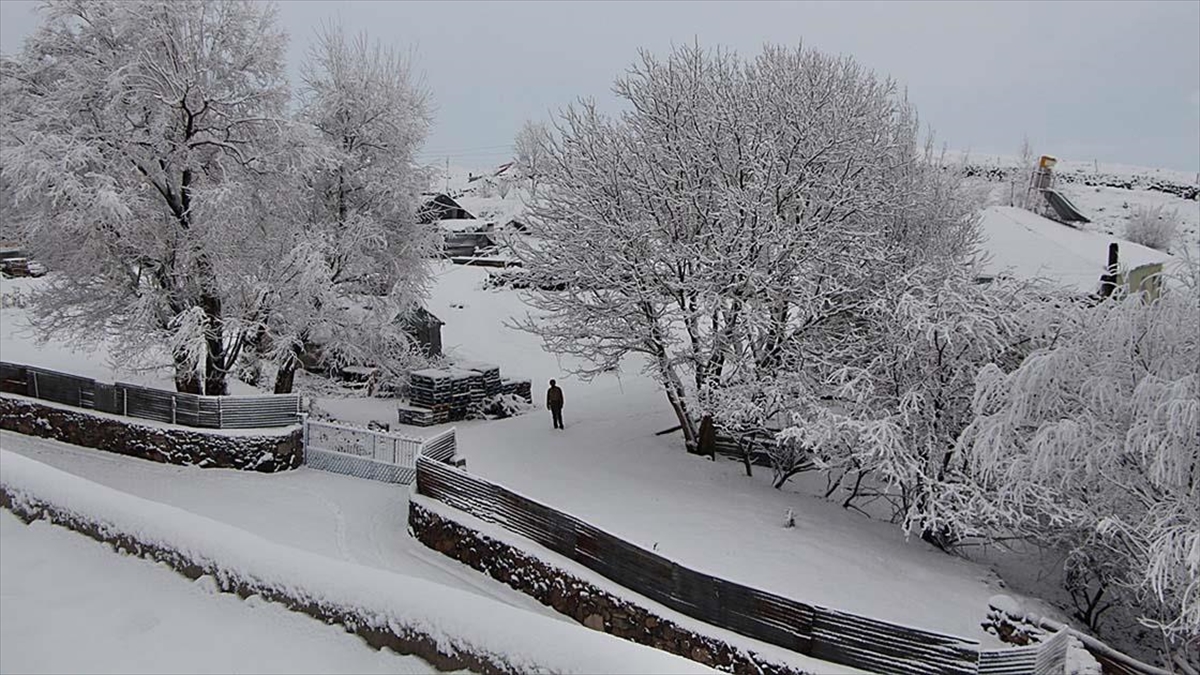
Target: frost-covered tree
(888,419)
(357,261)
(529,147)
(125,125)
(1021,195)
(1092,446)
(733,222)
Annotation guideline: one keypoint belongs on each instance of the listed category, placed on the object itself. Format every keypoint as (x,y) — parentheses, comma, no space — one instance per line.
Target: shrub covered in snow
(1154,226)
(888,433)
(1092,446)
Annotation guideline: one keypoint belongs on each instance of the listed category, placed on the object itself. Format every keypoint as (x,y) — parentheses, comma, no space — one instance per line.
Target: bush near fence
(130,400)
(821,632)
(269,451)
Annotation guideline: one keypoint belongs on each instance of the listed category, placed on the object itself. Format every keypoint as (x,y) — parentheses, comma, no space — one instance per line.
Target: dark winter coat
(554,397)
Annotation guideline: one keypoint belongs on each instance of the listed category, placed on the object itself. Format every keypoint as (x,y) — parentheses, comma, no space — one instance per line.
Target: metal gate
(374,455)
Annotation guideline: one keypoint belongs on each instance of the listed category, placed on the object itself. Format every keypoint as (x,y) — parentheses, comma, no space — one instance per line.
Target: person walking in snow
(554,403)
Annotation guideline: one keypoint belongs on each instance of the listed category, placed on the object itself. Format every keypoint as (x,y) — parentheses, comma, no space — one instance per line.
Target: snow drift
(449,628)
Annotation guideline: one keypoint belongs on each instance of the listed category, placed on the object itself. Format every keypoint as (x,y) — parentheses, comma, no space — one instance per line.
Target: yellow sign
(1145,279)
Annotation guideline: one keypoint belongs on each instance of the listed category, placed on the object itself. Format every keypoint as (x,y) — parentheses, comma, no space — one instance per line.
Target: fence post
(36,394)
(124,401)
(304,437)
(174,401)
(220,414)
(374,445)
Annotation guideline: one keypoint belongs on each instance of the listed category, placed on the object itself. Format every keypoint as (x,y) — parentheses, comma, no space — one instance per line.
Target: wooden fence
(821,632)
(130,400)
(370,454)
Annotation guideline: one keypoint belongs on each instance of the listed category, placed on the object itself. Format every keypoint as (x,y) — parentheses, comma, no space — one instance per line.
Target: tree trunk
(215,383)
(706,441)
(685,423)
(187,380)
(286,377)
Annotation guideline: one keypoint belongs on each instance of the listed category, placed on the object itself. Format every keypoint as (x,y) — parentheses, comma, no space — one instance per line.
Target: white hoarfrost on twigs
(1092,446)
(456,620)
(155,166)
(740,236)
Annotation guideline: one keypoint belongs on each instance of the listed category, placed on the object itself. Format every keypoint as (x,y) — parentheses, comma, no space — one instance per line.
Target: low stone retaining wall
(249,451)
(450,628)
(581,600)
(399,639)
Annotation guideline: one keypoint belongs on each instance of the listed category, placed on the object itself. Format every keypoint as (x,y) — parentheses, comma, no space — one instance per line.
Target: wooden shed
(422,326)
(441,207)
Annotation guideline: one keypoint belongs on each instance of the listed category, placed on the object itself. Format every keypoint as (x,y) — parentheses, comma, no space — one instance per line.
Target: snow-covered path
(336,516)
(70,604)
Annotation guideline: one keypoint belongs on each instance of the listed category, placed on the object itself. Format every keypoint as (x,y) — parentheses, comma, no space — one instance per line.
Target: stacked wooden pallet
(490,373)
(521,388)
(468,397)
(437,396)
(421,417)
(430,387)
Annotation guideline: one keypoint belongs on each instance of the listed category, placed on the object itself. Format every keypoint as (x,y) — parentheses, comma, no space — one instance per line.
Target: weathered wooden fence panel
(131,400)
(835,636)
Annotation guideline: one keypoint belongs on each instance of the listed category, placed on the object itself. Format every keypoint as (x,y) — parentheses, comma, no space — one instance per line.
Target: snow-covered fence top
(821,632)
(210,412)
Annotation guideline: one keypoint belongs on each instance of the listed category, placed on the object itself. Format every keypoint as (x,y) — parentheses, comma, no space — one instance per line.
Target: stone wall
(433,648)
(581,600)
(167,444)
(1004,174)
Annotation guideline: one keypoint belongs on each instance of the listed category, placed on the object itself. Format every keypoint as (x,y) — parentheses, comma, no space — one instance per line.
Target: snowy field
(336,516)
(454,621)
(607,468)
(1108,207)
(72,605)
(1027,246)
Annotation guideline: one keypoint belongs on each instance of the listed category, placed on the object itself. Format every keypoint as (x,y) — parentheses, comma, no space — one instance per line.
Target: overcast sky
(1112,81)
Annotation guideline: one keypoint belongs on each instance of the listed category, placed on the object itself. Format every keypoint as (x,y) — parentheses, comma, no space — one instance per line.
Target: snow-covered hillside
(1028,246)
(608,467)
(122,613)
(1105,193)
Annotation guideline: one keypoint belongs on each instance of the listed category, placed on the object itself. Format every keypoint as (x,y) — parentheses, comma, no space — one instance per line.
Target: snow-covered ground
(1028,246)
(19,343)
(608,468)
(453,620)
(336,516)
(72,605)
(1107,207)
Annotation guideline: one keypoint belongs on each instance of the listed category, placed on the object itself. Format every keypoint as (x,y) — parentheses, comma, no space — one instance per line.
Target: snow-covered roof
(1029,246)
(463,225)
(496,209)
